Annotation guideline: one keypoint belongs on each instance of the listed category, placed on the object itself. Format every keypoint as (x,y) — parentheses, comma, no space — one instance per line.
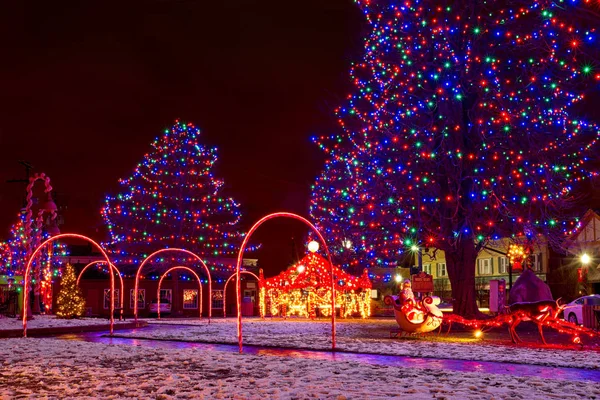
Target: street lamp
(585,259)
(416,249)
(313,246)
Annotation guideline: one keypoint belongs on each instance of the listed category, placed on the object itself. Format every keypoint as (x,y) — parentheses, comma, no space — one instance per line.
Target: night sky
(86,87)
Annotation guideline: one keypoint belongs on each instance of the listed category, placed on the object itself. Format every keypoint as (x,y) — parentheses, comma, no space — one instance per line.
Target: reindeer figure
(538,312)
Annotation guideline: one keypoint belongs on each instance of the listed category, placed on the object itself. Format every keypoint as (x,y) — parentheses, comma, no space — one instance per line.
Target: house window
(535,262)
(166,294)
(107,299)
(141,299)
(427,268)
(441,269)
(485,266)
(217,299)
(502,265)
(190,299)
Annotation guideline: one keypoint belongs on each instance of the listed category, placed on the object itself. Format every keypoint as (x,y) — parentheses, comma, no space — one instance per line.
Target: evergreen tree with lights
(173,200)
(70,302)
(461,130)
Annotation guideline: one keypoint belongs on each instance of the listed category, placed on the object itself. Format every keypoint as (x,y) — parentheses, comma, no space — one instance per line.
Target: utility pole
(28,168)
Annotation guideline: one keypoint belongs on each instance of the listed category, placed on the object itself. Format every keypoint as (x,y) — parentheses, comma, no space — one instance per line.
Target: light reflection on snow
(364,358)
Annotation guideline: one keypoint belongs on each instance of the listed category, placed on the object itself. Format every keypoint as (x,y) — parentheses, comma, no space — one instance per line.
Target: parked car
(165,306)
(574,310)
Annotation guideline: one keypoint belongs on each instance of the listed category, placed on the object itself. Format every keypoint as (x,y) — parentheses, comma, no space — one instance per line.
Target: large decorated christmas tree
(173,200)
(461,129)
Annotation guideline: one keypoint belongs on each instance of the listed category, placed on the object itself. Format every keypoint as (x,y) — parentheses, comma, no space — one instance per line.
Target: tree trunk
(460,261)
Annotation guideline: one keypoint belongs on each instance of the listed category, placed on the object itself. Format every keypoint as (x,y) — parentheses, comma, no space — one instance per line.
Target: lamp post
(417,250)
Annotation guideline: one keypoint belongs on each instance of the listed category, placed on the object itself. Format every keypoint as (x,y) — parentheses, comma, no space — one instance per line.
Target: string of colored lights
(460,128)
(172,200)
(14,251)
(550,321)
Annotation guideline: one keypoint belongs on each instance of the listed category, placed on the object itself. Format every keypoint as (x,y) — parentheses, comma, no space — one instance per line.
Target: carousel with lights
(304,290)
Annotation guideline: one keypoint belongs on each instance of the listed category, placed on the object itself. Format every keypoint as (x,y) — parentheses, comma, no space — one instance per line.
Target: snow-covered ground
(50,321)
(55,368)
(367,336)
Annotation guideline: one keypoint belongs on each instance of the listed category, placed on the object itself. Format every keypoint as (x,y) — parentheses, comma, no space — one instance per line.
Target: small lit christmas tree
(70,302)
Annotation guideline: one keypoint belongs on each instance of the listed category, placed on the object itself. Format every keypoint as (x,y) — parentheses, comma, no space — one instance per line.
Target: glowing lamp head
(414,247)
(313,246)
(300,268)
(398,278)
(347,244)
(585,259)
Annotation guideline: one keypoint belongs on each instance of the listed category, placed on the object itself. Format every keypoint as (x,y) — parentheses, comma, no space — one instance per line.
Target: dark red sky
(86,87)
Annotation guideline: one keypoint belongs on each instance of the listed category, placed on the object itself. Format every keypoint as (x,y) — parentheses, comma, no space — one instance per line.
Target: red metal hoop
(114,268)
(163,277)
(28,268)
(239,263)
(227,282)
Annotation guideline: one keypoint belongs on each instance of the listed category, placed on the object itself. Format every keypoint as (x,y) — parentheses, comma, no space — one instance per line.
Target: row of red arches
(237,274)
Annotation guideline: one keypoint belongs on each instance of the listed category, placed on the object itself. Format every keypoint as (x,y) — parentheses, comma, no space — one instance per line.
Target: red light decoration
(147,259)
(113,268)
(225,289)
(239,263)
(199,287)
(28,268)
(542,313)
(311,274)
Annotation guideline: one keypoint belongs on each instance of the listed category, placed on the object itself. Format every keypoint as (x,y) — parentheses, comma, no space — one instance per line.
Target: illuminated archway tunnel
(167,250)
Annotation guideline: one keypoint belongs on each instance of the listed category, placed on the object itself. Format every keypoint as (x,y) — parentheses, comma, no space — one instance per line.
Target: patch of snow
(50,321)
(55,368)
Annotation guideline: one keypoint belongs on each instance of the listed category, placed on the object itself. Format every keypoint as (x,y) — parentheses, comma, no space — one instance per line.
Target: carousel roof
(313,271)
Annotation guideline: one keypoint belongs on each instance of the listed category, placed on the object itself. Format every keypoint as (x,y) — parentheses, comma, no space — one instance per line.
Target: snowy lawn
(366,336)
(55,368)
(50,321)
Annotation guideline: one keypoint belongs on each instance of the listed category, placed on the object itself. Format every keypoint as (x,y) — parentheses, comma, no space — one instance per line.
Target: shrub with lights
(460,130)
(173,200)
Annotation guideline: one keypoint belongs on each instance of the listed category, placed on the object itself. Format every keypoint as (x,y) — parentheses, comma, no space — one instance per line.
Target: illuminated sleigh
(423,318)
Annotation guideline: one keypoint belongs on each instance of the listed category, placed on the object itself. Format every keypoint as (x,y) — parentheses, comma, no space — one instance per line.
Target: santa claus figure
(410,307)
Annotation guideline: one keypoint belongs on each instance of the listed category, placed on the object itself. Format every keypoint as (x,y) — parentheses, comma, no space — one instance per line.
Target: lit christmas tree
(14,250)
(460,130)
(70,302)
(173,200)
